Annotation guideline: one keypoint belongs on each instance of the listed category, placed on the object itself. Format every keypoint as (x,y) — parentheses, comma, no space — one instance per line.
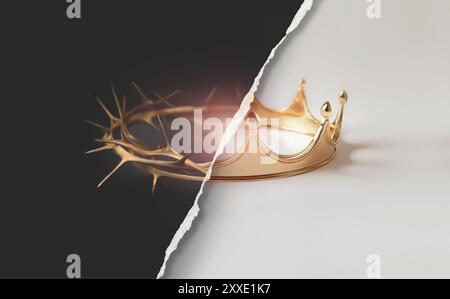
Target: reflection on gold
(262,163)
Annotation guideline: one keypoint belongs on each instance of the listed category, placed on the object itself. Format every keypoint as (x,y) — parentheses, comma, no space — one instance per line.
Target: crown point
(343,97)
(327,110)
(302,83)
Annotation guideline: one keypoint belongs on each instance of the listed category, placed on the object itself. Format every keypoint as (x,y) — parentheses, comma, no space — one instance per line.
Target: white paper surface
(240,114)
(385,194)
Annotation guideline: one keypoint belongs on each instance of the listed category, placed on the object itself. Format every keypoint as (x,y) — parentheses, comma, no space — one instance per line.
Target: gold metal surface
(296,118)
(166,162)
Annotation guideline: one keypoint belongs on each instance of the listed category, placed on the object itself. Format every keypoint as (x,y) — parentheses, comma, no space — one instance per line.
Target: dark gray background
(51,68)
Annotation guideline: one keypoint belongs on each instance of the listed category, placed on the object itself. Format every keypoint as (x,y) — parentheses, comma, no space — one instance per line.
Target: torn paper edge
(230,131)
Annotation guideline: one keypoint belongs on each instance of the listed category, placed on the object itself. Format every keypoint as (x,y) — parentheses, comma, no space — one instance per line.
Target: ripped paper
(240,114)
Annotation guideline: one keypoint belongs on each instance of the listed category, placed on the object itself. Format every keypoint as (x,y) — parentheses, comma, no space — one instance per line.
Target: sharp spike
(239,92)
(108,113)
(162,99)
(102,141)
(154,183)
(173,93)
(111,173)
(124,105)
(210,96)
(166,139)
(97,150)
(141,93)
(113,92)
(124,133)
(116,100)
(98,126)
(152,124)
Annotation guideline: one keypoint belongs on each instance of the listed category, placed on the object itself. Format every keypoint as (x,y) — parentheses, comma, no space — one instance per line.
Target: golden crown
(163,161)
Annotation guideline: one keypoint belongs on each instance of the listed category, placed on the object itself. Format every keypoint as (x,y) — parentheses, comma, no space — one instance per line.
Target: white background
(387,191)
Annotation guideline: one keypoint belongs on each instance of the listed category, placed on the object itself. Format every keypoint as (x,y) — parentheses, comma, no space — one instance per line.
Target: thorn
(124,105)
(152,124)
(166,139)
(173,93)
(239,93)
(164,119)
(116,100)
(162,99)
(108,113)
(154,183)
(104,129)
(97,150)
(210,96)
(111,173)
(102,141)
(141,93)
